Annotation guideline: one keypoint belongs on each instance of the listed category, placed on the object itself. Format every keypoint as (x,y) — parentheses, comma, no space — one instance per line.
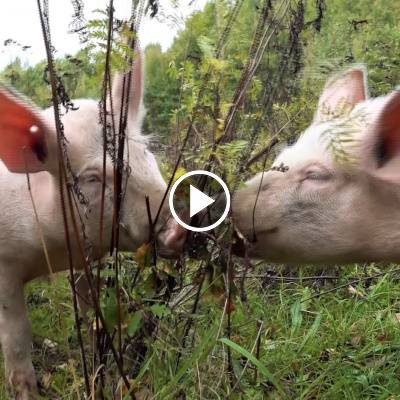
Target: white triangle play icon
(198,201)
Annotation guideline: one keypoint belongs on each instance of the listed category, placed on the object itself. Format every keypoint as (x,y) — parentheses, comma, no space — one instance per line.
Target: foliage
(341,344)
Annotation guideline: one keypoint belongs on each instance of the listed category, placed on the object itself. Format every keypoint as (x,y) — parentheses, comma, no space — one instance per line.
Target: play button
(199,201)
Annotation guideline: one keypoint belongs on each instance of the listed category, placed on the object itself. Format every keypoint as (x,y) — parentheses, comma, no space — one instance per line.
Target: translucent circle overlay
(202,228)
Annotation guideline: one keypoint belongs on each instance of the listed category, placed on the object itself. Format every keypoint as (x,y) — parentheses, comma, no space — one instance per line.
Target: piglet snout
(171,240)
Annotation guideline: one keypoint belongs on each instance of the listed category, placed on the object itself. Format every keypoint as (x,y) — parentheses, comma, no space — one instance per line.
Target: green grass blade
(311,332)
(261,367)
(202,350)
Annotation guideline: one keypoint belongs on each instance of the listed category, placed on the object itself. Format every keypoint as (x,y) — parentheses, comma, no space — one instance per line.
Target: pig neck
(47,196)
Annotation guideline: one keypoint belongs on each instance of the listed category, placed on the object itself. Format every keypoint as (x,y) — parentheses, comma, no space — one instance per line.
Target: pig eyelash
(90,176)
(318,176)
(93,178)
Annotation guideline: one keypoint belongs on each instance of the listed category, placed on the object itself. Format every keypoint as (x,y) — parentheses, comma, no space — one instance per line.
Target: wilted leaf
(62,367)
(49,344)
(142,254)
(46,379)
(352,290)
(355,341)
(383,337)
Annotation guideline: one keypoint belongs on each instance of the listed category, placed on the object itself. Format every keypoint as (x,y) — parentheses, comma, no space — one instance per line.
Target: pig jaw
(169,236)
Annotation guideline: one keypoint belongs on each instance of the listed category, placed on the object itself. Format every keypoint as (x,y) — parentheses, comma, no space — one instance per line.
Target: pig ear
(387,129)
(130,83)
(342,93)
(23,135)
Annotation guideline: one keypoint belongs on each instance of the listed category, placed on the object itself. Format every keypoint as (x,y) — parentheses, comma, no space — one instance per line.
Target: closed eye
(91,176)
(318,175)
(93,179)
(265,186)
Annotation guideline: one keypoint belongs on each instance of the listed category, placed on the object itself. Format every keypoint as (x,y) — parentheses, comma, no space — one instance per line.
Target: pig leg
(16,341)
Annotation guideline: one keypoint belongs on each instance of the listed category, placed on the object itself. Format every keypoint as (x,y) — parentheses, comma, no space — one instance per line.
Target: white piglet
(334,196)
(28,144)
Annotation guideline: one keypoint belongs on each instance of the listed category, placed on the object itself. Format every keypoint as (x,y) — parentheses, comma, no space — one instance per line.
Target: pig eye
(91,178)
(318,175)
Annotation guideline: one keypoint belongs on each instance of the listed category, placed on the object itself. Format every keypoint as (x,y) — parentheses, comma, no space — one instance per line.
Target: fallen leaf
(355,341)
(383,337)
(352,290)
(49,344)
(141,254)
(46,379)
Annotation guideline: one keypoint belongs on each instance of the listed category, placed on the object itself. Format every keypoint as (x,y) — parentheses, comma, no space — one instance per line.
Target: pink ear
(135,89)
(388,128)
(342,94)
(22,135)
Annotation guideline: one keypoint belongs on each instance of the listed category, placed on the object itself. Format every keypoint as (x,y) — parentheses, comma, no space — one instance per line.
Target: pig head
(28,144)
(333,196)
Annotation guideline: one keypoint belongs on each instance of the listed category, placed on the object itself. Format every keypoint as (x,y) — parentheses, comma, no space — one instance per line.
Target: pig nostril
(179,237)
(253,238)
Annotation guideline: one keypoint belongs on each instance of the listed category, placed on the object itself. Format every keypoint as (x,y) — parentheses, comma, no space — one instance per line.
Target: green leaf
(206,46)
(261,367)
(297,317)
(160,310)
(312,331)
(109,307)
(134,323)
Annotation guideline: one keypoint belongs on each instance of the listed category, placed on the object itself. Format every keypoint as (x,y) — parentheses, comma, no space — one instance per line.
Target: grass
(344,344)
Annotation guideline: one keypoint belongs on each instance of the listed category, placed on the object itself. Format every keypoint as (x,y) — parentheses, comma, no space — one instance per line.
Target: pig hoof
(23,384)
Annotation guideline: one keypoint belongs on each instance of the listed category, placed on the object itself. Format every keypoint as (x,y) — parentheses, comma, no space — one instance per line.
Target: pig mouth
(170,240)
(242,243)
(245,244)
(239,247)
(168,254)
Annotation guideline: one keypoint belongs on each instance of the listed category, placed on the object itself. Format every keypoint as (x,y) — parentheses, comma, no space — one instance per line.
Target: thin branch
(62,178)
(264,152)
(353,282)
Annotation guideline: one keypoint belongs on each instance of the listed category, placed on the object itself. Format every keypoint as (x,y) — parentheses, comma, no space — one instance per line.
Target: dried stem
(62,180)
